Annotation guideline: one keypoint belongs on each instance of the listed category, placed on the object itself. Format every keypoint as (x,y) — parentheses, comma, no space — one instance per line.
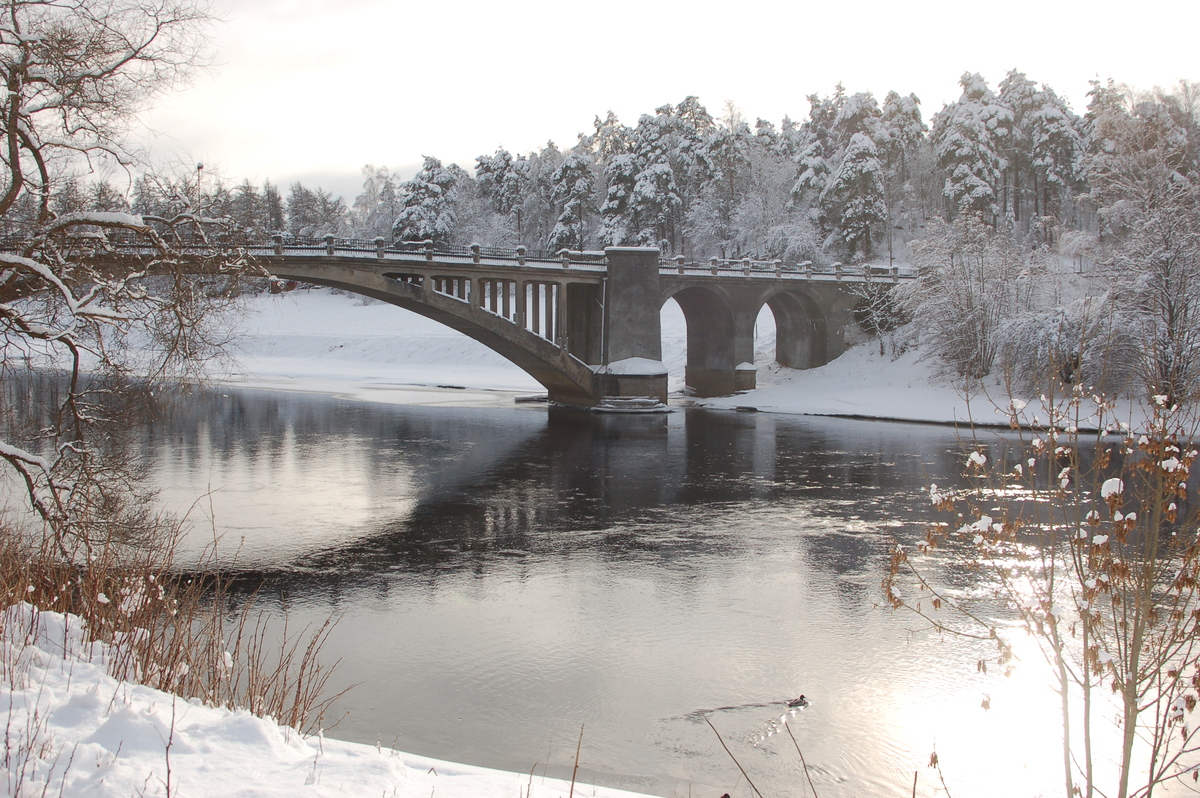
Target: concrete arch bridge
(586,324)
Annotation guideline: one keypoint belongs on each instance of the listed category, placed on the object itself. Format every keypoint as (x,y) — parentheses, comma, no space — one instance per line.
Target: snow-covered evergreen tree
(501,180)
(574,184)
(618,225)
(274,216)
(812,170)
(854,198)
(539,211)
(427,209)
(858,113)
(1056,149)
(969,137)
(901,132)
(711,226)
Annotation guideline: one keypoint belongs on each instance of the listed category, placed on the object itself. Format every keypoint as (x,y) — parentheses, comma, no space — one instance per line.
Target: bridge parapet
(283,245)
(806,270)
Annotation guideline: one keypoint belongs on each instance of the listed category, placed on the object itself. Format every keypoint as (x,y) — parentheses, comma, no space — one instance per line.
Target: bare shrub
(1088,542)
(187,634)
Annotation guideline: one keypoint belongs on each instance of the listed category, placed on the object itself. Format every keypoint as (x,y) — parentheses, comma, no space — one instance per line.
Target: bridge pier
(745,375)
(631,333)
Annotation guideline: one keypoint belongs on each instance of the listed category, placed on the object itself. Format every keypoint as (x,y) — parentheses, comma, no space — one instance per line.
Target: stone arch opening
(801,331)
(566,379)
(709,369)
(764,336)
(673,329)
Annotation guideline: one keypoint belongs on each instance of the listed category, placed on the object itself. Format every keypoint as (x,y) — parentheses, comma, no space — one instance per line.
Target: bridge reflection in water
(504,576)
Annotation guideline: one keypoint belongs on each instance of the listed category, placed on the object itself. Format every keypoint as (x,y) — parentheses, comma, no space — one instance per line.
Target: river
(504,578)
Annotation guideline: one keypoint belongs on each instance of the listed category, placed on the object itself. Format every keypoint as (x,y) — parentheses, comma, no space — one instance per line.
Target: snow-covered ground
(73,730)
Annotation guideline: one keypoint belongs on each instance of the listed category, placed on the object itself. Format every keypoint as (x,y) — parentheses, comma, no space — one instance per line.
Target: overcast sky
(314,89)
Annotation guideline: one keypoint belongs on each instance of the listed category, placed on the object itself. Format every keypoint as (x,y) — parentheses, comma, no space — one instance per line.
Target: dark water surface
(506,576)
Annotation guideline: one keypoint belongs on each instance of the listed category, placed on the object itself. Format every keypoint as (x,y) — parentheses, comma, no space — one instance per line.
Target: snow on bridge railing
(777,268)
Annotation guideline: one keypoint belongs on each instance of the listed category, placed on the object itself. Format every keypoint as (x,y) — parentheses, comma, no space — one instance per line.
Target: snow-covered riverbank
(73,730)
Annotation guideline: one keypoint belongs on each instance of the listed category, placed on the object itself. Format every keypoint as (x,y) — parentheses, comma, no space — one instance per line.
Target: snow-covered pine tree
(654,202)
(501,180)
(710,217)
(854,198)
(1021,97)
(858,113)
(1056,149)
(104,198)
(70,197)
(968,137)
(574,185)
(427,204)
(539,211)
(812,170)
(822,117)
(302,214)
(618,224)
(609,138)
(901,132)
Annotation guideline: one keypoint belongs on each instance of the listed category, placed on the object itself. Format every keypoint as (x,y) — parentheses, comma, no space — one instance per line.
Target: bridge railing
(283,244)
(751,266)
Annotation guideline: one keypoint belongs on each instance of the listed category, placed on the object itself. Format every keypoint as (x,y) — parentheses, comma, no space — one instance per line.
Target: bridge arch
(801,329)
(567,379)
(711,328)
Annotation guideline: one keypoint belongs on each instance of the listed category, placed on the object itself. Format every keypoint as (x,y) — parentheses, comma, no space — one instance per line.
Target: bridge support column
(631,364)
(519,311)
(745,375)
